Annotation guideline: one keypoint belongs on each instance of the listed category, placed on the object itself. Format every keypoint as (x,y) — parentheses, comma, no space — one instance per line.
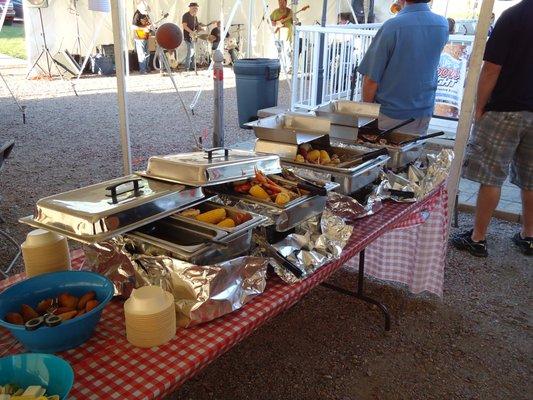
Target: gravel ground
(475,343)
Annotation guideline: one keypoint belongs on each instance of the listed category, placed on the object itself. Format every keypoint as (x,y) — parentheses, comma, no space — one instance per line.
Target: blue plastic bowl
(46,370)
(70,333)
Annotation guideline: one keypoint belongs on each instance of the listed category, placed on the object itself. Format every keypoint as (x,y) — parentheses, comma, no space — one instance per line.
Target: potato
(213,216)
(14,318)
(44,306)
(68,315)
(313,156)
(85,298)
(27,312)
(324,157)
(259,192)
(282,199)
(91,304)
(68,300)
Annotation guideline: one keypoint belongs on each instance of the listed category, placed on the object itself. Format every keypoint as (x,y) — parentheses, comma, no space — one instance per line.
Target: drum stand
(45,51)
(20,107)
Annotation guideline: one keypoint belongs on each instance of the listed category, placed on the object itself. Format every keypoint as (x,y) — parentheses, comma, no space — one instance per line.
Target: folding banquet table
(108,367)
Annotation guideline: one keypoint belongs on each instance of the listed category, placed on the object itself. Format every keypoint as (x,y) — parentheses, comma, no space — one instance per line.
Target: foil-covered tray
(290,128)
(98,212)
(210,167)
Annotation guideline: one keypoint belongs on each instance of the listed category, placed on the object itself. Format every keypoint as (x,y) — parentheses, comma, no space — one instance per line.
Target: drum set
(232,46)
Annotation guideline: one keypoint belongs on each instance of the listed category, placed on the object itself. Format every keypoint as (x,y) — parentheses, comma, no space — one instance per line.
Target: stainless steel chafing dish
(403,148)
(286,216)
(210,167)
(346,116)
(215,167)
(197,242)
(350,176)
(290,128)
(99,212)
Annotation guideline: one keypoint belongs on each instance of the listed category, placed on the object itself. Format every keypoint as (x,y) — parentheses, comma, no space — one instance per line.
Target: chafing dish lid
(210,167)
(99,212)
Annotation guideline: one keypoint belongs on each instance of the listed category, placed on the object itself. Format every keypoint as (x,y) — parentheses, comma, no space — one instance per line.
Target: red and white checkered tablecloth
(108,367)
(419,265)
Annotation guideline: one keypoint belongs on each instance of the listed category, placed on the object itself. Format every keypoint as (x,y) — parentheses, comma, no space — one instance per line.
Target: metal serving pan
(289,215)
(210,167)
(96,213)
(348,113)
(193,242)
(352,178)
(290,128)
(254,221)
(401,154)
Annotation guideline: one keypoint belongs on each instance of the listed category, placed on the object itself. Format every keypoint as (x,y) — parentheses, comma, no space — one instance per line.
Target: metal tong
(416,139)
(272,252)
(372,129)
(363,157)
(305,184)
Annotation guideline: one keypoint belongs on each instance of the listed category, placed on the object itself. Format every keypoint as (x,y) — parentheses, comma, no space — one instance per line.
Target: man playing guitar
(190,25)
(141,32)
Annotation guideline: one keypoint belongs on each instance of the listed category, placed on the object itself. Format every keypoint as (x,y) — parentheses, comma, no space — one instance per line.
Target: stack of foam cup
(45,251)
(150,317)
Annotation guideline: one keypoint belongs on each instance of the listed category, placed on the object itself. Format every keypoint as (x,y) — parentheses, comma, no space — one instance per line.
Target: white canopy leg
(469,100)
(117,12)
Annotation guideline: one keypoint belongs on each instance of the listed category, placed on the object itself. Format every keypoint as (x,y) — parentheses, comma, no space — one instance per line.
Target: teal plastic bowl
(70,333)
(46,370)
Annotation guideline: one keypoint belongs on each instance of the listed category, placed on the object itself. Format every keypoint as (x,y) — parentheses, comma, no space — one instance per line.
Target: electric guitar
(141,33)
(283,22)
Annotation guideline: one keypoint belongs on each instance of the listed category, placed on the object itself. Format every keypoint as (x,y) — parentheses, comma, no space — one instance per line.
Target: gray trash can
(257,81)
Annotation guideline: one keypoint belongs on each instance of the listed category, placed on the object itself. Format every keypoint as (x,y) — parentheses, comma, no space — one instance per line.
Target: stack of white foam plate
(150,317)
(45,251)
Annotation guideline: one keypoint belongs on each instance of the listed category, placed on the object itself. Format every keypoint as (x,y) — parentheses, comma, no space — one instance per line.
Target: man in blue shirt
(400,66)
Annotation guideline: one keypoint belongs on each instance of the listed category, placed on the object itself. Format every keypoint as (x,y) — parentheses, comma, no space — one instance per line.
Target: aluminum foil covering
(201,293)
(316,242)
(349,209)
(418,181)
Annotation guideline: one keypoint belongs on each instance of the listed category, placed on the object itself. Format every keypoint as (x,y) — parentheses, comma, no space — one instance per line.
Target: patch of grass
(12,41)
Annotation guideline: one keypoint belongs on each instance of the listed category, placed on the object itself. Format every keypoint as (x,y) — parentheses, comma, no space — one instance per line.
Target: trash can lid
(255,66)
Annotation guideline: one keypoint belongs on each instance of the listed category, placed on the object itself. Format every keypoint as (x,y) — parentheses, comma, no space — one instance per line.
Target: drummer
(190,25)
(400,66)
(214,38)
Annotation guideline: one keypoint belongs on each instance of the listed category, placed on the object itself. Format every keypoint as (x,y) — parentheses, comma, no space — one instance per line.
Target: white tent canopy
(61,24)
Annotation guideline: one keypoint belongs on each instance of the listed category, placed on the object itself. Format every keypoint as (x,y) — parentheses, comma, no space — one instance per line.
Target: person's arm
(186,27)
(496,52)
(487,81)
(375,62)
(370,88)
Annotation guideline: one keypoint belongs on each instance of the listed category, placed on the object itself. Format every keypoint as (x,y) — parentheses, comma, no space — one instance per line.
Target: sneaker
(463,241)
(524,244)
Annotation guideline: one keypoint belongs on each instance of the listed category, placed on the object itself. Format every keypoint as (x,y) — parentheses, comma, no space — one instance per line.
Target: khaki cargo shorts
(500,140)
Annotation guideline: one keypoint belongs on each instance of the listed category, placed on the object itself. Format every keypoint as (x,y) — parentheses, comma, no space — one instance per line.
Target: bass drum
(230,43)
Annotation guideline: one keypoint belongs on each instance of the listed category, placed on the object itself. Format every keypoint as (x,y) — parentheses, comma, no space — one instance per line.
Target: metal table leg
(359,294)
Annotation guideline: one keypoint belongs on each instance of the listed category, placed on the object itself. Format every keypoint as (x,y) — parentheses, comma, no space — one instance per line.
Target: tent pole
(249,33)
(469,100)
(117,12)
